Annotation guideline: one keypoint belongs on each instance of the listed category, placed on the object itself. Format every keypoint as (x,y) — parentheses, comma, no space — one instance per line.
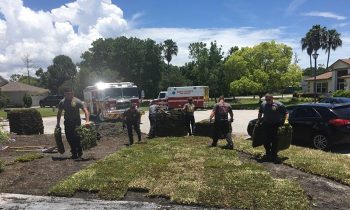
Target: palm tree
(169,49)
(306,44)
(332,41)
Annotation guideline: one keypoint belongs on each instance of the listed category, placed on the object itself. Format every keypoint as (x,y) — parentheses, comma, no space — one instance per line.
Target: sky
(43,29)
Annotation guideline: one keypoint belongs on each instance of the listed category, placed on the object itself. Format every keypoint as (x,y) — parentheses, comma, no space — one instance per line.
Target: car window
(325,100)
(305,112)
(325,112)
(342,112)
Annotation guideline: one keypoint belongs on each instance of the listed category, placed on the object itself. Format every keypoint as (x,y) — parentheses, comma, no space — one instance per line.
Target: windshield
(161,95)
(130,92)
(342,112)
(112,93)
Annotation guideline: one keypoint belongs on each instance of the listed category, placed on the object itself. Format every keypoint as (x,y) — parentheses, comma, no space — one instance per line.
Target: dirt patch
(36,177)
(322,192)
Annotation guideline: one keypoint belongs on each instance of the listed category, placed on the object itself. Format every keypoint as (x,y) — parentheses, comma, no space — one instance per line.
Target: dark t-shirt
(273,113)
(71,109)
(221,111)
(132,115)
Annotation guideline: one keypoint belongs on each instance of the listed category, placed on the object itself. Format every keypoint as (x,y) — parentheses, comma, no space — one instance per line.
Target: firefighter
(273,114)
(132,118)
(152,116)
(222,124)
(189,116)
(71,105)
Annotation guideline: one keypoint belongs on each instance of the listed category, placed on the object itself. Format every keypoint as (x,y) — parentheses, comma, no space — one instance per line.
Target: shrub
(342,93)
(4,100)
(145,104)
(4,136)
(25,121)
(27,100)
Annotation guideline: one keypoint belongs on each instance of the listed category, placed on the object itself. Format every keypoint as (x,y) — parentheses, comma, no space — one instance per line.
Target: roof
(346,61)
(20,87)
(323,76)
(345,77)
(3,81)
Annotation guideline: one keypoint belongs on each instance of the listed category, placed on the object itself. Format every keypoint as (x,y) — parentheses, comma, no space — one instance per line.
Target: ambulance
(177,97)
(108,101)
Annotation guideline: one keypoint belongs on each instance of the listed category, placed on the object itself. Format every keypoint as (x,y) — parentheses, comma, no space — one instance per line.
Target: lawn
(45,112)
(186,171)
(326,164)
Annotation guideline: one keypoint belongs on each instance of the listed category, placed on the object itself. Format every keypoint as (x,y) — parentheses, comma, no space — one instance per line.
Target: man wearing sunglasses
(273,114)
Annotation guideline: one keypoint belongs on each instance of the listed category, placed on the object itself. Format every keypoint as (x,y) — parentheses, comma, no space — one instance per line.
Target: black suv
(319,125)
(51,101)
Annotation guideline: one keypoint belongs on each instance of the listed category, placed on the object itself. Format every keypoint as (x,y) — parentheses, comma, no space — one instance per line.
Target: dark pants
(190,123)
(152,122)
(129,126)
(73,138)
(222,129)
(271,139)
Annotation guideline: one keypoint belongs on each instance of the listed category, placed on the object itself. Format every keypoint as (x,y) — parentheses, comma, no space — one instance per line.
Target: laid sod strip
(186,171)
(28,157)
(326,164)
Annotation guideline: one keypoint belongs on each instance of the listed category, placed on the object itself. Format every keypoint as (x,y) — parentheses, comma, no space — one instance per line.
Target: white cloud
(324,15)
(44,34)
(294,5)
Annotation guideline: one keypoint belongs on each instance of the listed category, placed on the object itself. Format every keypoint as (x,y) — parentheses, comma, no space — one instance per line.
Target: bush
(27,100)
(25,121)
(4,100)
(342,93)
(298,100)
(4,136)
(145,103)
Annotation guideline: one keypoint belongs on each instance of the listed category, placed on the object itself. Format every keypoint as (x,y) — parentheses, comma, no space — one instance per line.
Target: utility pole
(28,64)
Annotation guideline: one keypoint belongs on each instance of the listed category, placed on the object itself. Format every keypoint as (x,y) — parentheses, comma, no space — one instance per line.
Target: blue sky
(230,22)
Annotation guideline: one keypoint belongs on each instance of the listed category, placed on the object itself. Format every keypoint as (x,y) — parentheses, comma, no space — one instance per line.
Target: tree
(310,71)
(132,59)
(332,42)
(61,70)
(172,77)
(292,77)
(15,77)
(169,49)
(43,77)
(262,65)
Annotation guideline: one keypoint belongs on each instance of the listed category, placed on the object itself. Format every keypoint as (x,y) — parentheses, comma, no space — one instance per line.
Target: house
(16,90)
(336,78)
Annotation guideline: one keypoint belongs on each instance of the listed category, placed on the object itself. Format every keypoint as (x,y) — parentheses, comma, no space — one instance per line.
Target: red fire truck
(107,101)
(177,97)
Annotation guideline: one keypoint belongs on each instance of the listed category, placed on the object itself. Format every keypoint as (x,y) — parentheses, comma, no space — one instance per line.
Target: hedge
(25,121)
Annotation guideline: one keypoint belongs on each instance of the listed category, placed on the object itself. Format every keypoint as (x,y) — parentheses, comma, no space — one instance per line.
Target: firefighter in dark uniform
(222,123)
(132,118)
(275,115)
(189,116)
(71,107)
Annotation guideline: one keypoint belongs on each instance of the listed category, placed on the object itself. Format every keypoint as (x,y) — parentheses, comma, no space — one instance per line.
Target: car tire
(320,141)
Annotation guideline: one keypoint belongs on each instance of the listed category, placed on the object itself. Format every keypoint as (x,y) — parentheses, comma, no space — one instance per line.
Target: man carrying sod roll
(273,115)
(222,123)
(71,107)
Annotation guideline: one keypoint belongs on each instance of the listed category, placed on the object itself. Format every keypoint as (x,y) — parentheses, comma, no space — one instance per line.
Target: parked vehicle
(51,101)
(319,125)
(335,100)
(107,101)
(177,97)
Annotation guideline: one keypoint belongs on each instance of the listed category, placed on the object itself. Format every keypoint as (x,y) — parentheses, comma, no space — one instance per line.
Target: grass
(186,171)
(326,164)
(45,112)
(29,157)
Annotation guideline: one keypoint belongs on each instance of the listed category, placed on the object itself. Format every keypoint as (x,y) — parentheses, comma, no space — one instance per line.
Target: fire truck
(177,97)
(108,101)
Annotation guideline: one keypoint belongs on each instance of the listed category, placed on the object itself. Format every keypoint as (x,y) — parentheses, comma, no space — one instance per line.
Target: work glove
(286,122)
(58,126)
(231,120)
(87,124)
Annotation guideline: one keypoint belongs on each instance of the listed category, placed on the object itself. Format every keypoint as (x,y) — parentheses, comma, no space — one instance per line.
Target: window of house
(341,82)
(322,87)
